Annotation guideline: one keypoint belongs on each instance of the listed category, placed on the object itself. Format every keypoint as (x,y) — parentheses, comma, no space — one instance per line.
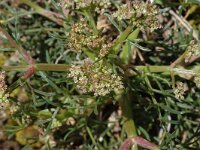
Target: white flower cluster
(26,119)
(123,12)
(14,109)
(197,81)
(179,90)
(143,15)
(95,78)
(81,36)
(105,49)
(82,3)
(66,3)
(3,87)
(192,50)
(100,5)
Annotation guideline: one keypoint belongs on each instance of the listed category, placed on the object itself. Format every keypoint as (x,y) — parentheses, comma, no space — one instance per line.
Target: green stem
(42,30)
(64,67)
(129,124)
(14,68)
(39,67)
(51,67)
(90,18)
(155,69)
(180,60)
(166,70)
(91,136)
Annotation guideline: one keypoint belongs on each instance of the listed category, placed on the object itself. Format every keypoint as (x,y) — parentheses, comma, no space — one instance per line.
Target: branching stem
(64,67)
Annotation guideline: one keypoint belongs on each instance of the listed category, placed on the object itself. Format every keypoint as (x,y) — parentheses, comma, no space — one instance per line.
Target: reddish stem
(139,141)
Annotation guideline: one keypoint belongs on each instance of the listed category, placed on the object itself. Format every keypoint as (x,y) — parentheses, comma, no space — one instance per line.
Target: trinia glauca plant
(91,62)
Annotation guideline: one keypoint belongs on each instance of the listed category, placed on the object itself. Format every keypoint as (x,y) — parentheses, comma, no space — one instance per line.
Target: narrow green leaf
(141,47)
(183,105)
(193,1)
(7,49)
(43,75)
(44,93)
(127,49)
(134,34)
(113,22)
(45,113)
(92,23)
(164,107)
(123,36)
(91,55)
(142,130)
(125,54)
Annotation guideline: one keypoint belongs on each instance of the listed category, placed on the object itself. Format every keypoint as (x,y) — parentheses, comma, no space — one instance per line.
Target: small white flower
(192,50)
(3,87)
(100,139)
(197,81)
(151,1)
(179,90)
(95,78)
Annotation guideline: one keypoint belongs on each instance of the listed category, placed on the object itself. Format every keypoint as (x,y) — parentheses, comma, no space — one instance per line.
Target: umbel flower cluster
(179,90)
(197,81)
(100,5)
(3,87)
(81,37)
(192,50)
(142,15)
(96,78)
